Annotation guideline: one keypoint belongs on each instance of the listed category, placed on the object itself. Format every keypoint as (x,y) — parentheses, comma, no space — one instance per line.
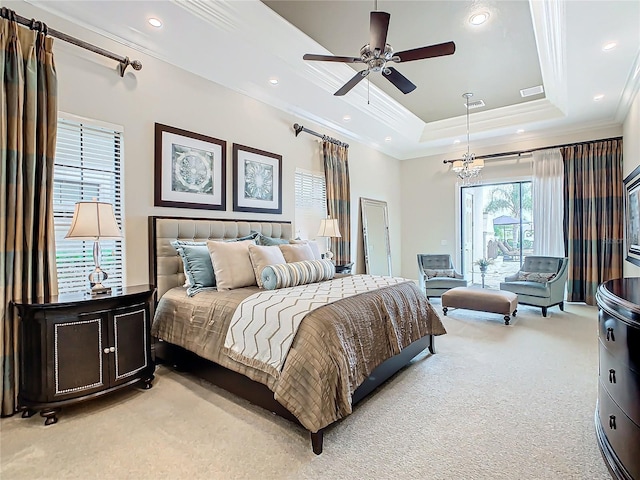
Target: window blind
(311,202)
(87,166)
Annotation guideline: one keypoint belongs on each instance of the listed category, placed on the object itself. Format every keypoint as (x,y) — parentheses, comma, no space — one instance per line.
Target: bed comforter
(335,348)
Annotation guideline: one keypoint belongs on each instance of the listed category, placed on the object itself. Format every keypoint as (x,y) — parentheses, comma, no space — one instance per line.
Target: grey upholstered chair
(435,286)
(540,294)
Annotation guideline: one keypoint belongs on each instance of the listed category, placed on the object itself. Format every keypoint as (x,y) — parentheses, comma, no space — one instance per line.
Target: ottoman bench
(492,301)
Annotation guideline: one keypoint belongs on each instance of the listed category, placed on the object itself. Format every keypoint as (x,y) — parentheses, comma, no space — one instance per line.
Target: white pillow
(261,256)
(232,264)
(297,253)
(314,247)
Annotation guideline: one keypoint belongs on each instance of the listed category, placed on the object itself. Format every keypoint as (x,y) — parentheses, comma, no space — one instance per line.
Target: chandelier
(468,169)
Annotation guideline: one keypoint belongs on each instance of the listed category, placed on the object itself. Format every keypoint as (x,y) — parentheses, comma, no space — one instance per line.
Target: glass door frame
(460,254)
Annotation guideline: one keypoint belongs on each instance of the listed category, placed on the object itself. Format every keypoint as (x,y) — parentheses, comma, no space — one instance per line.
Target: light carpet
(496,402)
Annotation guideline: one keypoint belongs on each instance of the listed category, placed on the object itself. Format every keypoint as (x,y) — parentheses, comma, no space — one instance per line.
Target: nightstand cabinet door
(131,342)
(76,355)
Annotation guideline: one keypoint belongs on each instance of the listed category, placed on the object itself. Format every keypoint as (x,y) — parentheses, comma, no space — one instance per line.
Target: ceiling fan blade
(331,58)
(399,80)
(431,51)
(378,27)
(352,83)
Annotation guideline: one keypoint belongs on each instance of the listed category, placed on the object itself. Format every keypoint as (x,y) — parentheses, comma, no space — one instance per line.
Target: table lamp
(329,228)
(95,221)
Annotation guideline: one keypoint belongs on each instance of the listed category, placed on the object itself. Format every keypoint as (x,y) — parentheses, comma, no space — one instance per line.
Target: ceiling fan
(378,52)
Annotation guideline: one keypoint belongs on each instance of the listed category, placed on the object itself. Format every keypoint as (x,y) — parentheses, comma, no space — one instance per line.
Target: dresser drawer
(623,435)
(622,383)
(622,340)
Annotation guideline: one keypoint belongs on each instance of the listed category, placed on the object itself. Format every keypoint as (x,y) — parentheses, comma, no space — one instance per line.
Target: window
(311,202)
(86,167)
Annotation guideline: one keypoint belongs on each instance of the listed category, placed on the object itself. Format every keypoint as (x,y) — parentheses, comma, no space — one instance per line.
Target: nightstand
(344,268)
(76,347)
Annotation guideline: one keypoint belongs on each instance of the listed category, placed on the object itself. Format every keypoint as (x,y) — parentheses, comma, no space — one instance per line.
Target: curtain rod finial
(297,128)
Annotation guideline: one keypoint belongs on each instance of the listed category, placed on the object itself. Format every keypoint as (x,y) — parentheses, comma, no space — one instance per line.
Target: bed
(324,372)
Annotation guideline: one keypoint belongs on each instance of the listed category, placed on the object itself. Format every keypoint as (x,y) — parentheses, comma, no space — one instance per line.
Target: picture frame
(257,180)
(632,216)
(190,169)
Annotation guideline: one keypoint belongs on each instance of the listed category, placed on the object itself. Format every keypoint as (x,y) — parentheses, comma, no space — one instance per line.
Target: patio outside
(498,228)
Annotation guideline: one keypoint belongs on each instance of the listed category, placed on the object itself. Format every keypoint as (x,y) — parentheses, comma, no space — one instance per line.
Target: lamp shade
(458,166)
(329,228)
(93,221)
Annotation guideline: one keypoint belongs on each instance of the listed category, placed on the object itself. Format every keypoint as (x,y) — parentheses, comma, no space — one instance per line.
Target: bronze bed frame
(169,273)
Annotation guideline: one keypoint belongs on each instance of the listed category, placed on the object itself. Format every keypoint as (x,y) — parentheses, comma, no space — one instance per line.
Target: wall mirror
(375,231)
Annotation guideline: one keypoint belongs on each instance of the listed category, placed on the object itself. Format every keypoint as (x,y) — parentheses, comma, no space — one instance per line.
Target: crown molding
(630,91)
(549,27)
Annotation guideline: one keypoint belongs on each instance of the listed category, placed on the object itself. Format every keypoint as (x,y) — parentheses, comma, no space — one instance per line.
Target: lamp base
(99,289)
(95,280)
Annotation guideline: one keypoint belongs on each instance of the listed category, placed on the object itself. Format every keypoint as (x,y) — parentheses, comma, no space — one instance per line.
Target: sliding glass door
(496,224)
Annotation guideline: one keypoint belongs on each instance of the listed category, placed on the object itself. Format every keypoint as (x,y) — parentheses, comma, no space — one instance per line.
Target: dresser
(77,347)
(618,409)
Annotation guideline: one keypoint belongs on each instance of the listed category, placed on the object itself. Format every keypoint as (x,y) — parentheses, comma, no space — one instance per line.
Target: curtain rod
(523,152)
(300,128)
(124,62)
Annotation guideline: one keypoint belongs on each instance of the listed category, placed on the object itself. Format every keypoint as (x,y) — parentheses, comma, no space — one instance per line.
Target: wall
(631,153)
(430,198)
(89,86)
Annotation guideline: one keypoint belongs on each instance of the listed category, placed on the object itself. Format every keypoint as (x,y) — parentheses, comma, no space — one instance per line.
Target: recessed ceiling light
(520,130)
(154,22)
(346,118)
(456,141)
(597,98)
(609,46)
(479,18)
(388,139)
(273,81)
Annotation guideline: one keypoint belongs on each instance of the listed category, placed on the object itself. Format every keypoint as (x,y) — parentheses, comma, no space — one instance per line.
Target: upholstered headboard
(165,267)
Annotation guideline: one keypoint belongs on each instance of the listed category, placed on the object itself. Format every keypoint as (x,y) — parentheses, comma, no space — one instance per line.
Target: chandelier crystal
(468,169)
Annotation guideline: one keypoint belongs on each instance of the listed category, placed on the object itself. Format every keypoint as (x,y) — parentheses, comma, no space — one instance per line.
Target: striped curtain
(593,216)
(336,171)
(28,137)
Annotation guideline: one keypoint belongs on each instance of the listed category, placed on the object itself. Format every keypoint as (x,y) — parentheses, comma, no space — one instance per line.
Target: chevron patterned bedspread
(265,324)
(335,349)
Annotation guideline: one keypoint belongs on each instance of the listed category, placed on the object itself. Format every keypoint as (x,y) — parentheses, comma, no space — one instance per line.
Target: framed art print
(190,169)
(632,214)
(257,180)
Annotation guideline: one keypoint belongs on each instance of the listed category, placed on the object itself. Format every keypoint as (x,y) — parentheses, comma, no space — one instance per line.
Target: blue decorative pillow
(297,273)
(197,265)
(251,236)
(269,241)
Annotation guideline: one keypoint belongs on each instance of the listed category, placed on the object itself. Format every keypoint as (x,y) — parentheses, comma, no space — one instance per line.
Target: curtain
(336,171)
(593,216)
(28,135)
(548,202)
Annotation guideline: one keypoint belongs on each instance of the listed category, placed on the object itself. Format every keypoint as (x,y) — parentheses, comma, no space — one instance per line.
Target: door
(130,347)
(79,367)
(467,233)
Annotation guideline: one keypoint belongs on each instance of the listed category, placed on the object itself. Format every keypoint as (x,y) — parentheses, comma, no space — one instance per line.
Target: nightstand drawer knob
(112,349)
(610,335)
(106,350)
(612,376)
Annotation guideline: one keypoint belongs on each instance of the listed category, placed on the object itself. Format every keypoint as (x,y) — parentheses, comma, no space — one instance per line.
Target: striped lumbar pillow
(297,273)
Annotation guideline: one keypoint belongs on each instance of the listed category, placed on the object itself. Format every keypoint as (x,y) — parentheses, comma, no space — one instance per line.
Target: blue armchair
(437,274)
(539,293)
